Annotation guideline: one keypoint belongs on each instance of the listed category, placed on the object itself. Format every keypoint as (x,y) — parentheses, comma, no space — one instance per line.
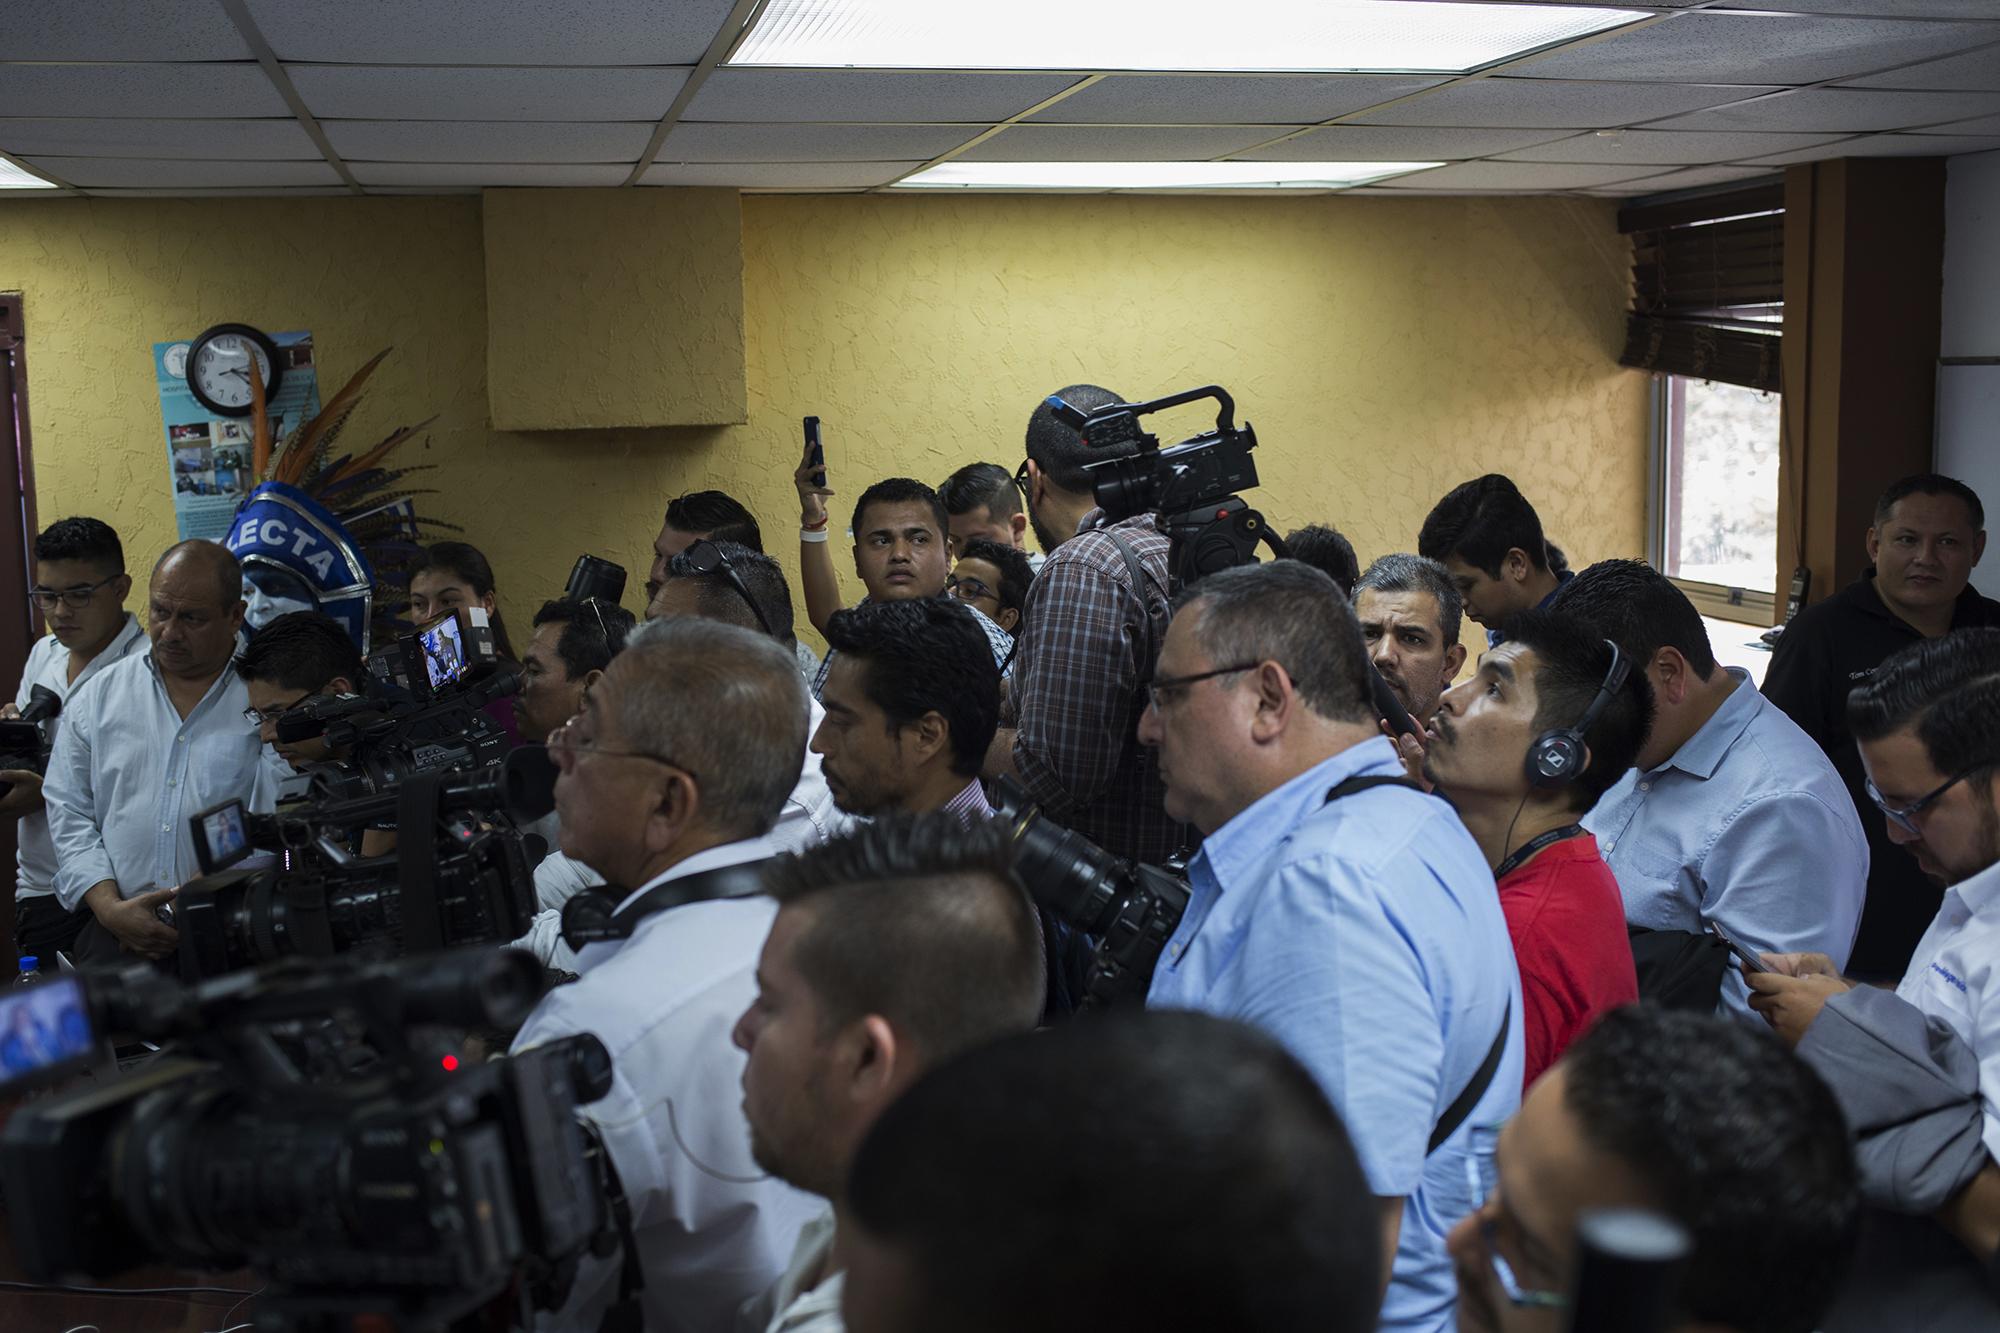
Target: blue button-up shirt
(1748,825)
(127,771)
(1366,935)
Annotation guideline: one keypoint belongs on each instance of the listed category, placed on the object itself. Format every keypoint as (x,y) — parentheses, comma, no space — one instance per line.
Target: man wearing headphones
(1524,748)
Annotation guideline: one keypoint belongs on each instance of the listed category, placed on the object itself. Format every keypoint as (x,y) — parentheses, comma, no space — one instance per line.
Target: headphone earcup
(1556,758)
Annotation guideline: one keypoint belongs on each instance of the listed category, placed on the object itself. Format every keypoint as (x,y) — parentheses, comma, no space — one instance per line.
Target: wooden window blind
(1708,286)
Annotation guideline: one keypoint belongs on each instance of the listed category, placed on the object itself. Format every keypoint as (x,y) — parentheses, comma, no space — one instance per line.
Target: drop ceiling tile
(1517,176)
(1973,71)
(487,173)
(1757,48)
(423,189)
(1902,9)
(269,140)
(1665,147)
(1692,178)
(150,173)
(1886,145)
(779,175)
(1557,104)
(117,30)
(1984,125)
(252,192)
(138,90)
(708,142)
(1396,143)
(1118,143)
(487,140)
(876,97)
(1147,99)
(1846,110)
(418,92)
(491,32)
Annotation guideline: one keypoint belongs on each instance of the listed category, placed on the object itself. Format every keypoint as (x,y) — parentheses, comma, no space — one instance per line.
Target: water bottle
(30,970)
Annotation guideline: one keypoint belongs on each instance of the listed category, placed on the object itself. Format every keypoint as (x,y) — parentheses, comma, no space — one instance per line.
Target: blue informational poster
(208,456)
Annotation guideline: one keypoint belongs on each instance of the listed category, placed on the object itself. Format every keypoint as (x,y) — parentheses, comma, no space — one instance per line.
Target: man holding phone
(1928,724)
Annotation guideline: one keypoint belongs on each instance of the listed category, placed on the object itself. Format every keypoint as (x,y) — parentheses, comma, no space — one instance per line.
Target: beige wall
(1384,350)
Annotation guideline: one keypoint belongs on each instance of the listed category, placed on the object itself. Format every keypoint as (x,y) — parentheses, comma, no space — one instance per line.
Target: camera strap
(1156,607)
(593,916)
(1482,1078)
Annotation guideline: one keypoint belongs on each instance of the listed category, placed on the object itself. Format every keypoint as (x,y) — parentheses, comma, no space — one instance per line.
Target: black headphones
(1558,756)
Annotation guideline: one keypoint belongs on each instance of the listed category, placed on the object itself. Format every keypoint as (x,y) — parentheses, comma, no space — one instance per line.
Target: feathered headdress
(326,533)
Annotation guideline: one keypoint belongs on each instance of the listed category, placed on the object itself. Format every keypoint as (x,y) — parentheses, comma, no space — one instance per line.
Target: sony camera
(442,658)
(410,1188)
(1130,908)
(25,741)
(459,874)
(1192,486)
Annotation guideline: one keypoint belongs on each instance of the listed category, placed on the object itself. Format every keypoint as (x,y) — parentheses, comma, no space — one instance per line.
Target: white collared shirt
(712,1228)
(1955,975)
(48,665)
(128,772)
(791,1306)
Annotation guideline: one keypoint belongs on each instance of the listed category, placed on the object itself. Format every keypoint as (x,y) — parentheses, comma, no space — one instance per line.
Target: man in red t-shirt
(1523,749)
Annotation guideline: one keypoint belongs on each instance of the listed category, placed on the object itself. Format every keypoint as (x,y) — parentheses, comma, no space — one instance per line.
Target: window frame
(1746,606)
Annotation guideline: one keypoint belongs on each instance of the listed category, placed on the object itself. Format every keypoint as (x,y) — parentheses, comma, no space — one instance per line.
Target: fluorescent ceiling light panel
(1155,175)
(15,178)
(1307,36)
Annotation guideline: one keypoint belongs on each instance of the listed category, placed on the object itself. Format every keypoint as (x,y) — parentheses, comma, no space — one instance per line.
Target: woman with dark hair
(455,574)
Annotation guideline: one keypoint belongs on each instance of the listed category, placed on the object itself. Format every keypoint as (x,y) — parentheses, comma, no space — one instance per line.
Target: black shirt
(1825,652)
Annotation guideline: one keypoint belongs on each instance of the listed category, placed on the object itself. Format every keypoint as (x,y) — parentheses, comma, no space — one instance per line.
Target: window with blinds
(1708,286)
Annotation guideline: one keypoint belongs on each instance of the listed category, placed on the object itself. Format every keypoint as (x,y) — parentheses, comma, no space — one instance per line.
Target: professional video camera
(1192,485)
(25,741)
(458,875)
(595,579)
(417,1190)
(1130,907)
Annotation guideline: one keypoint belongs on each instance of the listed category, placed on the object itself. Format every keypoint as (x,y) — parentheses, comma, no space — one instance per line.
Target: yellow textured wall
(587,330)
(1384,350)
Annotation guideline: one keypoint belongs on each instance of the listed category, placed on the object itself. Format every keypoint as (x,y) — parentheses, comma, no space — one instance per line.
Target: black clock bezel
(257,336)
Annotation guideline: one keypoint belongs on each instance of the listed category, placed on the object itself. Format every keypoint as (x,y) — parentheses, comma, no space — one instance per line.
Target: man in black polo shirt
(1929,533)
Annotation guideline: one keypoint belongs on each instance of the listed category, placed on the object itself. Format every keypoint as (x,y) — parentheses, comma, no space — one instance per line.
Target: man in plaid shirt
(1090,632)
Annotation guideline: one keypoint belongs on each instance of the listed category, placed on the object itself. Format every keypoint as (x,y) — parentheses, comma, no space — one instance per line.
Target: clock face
(220,369)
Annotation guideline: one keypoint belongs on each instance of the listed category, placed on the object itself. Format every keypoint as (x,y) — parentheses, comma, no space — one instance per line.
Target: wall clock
(219,365)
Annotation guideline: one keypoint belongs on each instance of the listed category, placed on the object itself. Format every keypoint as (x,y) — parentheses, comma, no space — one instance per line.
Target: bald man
(144,745)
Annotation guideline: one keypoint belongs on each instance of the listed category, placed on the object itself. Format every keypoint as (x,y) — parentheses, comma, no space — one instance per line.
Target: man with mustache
(1409,613)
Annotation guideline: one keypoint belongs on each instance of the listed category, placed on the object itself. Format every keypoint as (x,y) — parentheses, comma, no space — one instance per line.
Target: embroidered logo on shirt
(1946,973)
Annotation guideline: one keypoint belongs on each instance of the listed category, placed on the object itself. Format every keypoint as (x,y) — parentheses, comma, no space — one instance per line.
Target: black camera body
(459,874)
(25,742)
(1192,486)
(1131,908)
(387,737)
(420,1189)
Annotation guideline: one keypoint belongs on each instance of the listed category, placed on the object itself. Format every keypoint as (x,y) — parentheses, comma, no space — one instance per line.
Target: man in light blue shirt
(1364,931)
(1733,815)
(145,744)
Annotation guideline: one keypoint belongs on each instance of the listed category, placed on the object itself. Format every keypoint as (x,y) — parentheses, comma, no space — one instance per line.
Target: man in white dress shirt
(144,745)
(679,763)
(80,587)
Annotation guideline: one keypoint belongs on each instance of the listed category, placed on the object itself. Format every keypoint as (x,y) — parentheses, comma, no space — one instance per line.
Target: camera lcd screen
(44,1029)
(222,836)
(443,646)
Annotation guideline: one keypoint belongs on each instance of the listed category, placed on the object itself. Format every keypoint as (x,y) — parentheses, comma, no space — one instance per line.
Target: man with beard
(895,948)
(1409,613)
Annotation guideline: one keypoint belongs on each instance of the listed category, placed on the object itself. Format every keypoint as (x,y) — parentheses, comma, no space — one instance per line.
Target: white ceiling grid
(389,97)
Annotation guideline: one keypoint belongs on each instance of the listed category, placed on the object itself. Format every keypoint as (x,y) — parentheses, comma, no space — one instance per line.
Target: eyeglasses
(967,590)
(564,746)
(706,559)
(1162,692)
(46,598)
(1905,817)
(1021,478)
(257,717)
